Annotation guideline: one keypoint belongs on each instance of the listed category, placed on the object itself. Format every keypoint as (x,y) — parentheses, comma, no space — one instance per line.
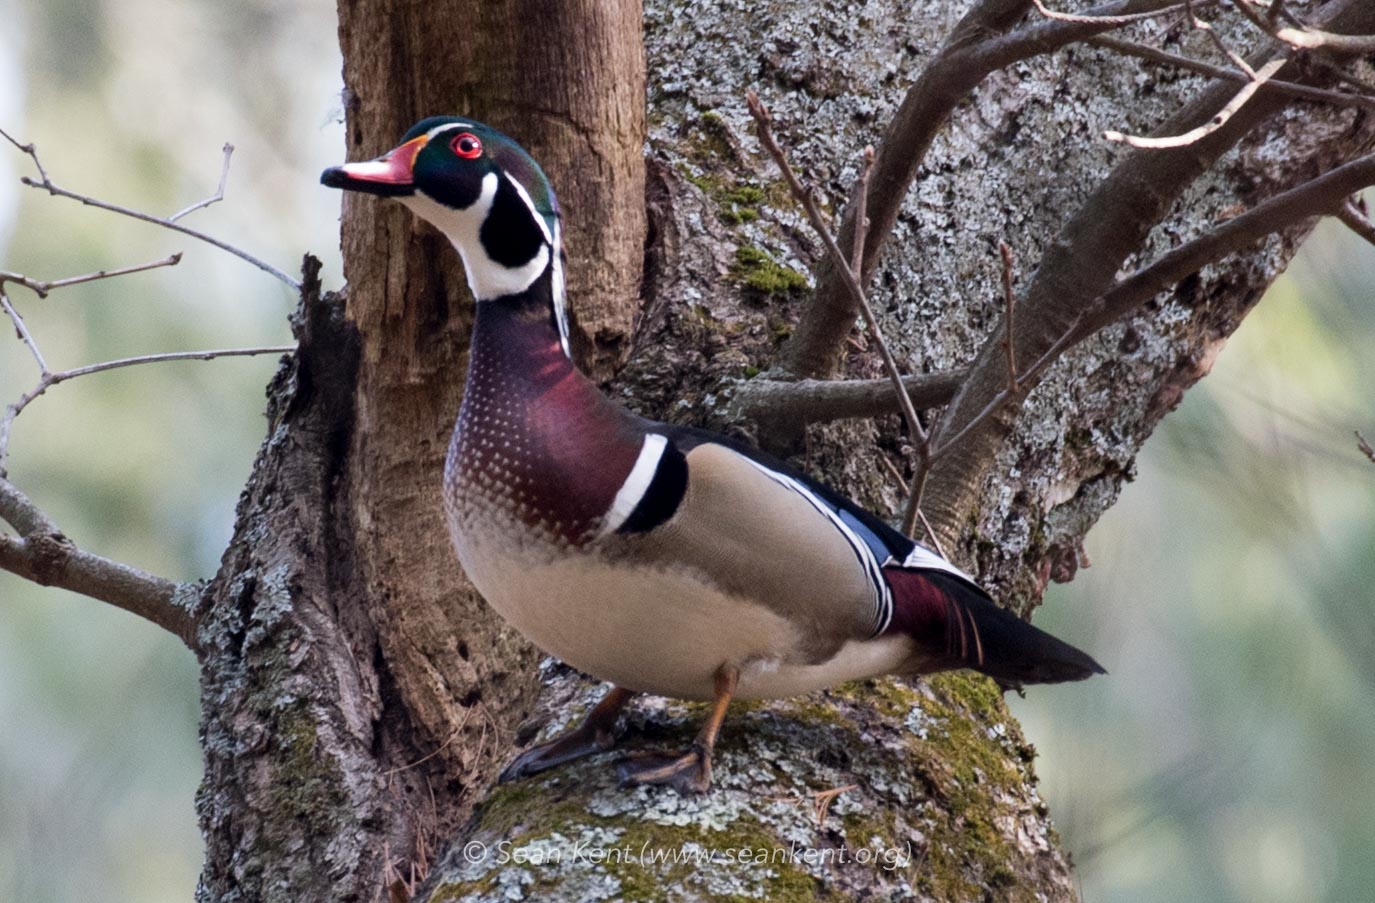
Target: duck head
(484,192)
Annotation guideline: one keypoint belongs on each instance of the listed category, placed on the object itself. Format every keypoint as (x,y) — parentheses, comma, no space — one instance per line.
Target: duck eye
(467,146)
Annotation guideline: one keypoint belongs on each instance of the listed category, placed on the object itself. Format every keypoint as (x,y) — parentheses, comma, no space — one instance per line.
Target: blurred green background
(1230,756)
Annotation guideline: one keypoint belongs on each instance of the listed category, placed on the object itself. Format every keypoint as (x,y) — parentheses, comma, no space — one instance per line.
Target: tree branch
(1080,265)
(821,400)
(219,192)
(1316,197)
(850,276)
(42,554)
(1219,119)
(46,183)
(41,288)
(48,379)
(1294,89)
(976,48)
(1354,217)
(1313,39)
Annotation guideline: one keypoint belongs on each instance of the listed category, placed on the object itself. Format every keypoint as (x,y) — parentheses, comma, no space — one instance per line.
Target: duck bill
(390,175)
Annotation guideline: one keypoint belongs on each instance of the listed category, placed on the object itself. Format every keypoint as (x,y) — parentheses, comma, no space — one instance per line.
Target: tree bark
(358,696)
(357,693)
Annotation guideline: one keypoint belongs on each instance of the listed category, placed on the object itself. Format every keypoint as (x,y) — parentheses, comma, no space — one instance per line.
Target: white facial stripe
(525,196)
(445,127)
(636,483)
(487,278)
(560,302)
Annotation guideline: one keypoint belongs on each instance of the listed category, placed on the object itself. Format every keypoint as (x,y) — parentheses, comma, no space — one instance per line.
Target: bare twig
(822,800)
(979,45)
(822,400)
(31,149)
(1009,301)
(804,195)
(1263,74)
(1313,39)
(46,183)
(22,331)
(1206,27)
(207,355)
(851,280)
(41,288)
(1155,55)
(1365,447)
(42,554)
(1315,197)
(1026,380)
(1355,218)
(1104,19)
(49,379)
(219,192)
(931,534)
(893,472)
(921,516)
(1304,37)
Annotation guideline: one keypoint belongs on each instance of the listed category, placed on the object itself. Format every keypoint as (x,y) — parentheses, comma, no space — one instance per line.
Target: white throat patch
(487,278)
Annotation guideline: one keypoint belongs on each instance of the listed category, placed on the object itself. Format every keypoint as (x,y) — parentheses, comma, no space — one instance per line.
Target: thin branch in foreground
(1303,37)
(1365,447)
(851,279)
(861,211)
(1316,197)
(219,192)
(22,330)
(41,288)
(52,378)
(1313,39)
(921,515)
(46,183)
(1105,19)
(31,149)
(1207,28)
(43,554)
(1353,215)
(1294,89)
(1219,119)
(804,195)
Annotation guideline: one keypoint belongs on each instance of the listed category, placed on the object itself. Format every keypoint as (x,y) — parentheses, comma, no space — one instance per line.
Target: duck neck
(518,350)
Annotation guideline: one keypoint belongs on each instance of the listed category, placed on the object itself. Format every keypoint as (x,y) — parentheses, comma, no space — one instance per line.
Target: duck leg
(690,771)
(595,734)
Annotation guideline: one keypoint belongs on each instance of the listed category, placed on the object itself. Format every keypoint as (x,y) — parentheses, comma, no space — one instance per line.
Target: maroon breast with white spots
(538,453)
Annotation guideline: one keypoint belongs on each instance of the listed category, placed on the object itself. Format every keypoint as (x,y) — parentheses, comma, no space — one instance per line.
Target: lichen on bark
(937,801)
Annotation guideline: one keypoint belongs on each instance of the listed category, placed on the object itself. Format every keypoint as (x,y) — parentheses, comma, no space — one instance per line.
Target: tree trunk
(359,696)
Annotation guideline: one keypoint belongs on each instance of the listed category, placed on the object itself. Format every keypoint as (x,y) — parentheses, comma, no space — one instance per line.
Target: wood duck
(662,559)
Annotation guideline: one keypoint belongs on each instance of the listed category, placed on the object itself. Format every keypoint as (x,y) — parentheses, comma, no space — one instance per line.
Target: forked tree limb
(1081,264)
(43,554)
(978,46)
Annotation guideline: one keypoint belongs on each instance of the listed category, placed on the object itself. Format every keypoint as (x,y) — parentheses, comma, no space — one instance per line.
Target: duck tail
(956,625)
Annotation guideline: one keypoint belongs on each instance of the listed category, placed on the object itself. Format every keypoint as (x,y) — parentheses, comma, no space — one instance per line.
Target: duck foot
(596,733)
(687,773)
(690,771)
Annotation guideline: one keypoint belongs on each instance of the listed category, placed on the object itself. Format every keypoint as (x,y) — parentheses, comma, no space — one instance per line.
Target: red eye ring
(467,145)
